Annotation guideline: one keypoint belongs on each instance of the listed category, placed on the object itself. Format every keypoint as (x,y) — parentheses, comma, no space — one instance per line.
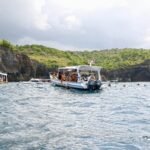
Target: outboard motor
(98,84)
(92,85)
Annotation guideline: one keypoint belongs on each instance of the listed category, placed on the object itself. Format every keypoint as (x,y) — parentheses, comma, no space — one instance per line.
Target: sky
(76,24)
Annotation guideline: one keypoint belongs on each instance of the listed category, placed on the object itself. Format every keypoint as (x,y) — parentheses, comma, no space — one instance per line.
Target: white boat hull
(75,85)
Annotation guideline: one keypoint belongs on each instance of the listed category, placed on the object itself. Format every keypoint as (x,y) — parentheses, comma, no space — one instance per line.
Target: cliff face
(139,72)
(19,66)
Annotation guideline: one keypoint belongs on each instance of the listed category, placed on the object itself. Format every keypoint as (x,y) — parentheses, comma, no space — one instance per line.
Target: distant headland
(24,62)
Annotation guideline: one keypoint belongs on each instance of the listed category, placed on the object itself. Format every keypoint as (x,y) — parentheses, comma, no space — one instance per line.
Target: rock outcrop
(19,66)
(139,72)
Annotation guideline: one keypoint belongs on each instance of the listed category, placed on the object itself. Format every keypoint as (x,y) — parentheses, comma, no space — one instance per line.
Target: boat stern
(94,85)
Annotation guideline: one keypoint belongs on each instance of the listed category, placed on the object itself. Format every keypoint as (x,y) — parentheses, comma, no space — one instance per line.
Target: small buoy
(109,84)
(146,137)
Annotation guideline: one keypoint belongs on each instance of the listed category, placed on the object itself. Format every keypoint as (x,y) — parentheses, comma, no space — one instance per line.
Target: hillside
(109,59)
(51,57)
(117,58)
(18,66)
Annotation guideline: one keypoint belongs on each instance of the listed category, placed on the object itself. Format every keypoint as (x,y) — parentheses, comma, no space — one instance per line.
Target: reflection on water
(39,116)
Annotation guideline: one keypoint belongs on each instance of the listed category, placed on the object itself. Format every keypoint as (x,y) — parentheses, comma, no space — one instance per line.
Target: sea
(39,116)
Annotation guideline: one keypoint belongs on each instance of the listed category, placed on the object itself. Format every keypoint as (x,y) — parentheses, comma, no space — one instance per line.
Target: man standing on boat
(63,77)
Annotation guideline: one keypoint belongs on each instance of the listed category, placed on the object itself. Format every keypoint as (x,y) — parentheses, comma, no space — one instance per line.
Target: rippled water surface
(43,117)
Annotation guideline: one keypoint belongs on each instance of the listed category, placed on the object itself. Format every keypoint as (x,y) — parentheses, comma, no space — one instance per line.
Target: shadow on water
(78,91)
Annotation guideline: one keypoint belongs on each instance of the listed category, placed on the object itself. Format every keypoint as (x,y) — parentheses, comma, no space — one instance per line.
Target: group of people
(71,76)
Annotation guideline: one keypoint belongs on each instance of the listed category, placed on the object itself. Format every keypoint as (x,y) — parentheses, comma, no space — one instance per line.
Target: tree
(5,44)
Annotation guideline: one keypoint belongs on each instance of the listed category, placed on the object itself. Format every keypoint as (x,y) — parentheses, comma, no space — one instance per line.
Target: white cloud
(72,22)
(93,24)
(88,5)
(26,13)
(40,17)
(41,21)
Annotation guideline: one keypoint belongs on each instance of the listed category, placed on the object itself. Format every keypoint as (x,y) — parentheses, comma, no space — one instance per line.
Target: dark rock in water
(139,72)
(19,66)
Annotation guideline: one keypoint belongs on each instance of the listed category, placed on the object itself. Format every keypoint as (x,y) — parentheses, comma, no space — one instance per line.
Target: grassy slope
(49,56)
(109,59)
(118,58)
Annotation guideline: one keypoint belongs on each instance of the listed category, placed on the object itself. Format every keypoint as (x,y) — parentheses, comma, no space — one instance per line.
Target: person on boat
(59,75)
(1,79)
(74,77)
(91,77)
(54,75)
(84,77)
(63,77)
(68,76)
(79,78)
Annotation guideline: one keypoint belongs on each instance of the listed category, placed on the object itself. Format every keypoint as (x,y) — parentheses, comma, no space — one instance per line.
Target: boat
(3,77)
(83,77)
(39,80)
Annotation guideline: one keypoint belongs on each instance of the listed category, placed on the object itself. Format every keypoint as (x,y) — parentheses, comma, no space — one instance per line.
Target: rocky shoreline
(140,72)
(21,68)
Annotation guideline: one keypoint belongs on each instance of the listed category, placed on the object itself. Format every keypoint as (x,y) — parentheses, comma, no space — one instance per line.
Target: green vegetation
(6,44)
(117,58)
(109,59)
(49,56)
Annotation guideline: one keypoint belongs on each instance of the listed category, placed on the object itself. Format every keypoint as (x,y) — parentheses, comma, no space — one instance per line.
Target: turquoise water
(37,116)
